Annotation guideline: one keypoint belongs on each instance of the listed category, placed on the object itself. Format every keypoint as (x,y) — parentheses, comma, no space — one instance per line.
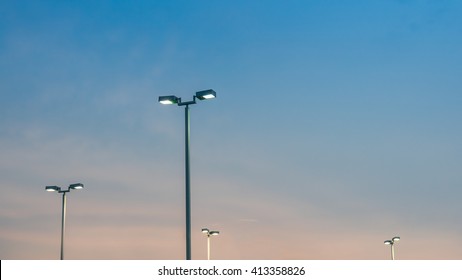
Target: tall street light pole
(171,99)
(392,243)
(209,233)
(77,186)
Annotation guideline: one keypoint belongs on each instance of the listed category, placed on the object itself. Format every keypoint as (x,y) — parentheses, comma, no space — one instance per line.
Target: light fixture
(206,94)
(168,99)
(52,189)
(77,186)
(205,230)
(216,232)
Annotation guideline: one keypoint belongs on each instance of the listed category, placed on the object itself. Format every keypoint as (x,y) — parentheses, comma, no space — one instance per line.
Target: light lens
(52,188)
(168,100)
(77,186)
(206,94)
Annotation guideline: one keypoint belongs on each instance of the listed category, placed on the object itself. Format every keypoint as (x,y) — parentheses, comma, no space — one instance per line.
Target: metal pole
(208,246)
(392,252)
(188,185)
(63,224)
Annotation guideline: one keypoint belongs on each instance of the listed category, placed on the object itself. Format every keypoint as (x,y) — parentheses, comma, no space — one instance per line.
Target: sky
(336,127)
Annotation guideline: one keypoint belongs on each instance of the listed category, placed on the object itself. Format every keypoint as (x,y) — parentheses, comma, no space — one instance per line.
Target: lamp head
(52,188)
(214,232)
(168,99)
(206,94)
(396,238)
(388,242)
(77,186)
(205,230)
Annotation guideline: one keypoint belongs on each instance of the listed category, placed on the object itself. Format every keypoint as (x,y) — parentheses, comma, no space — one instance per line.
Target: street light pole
(392,244)
(188,184)
(77,186)
(209,233)
(171,99)
(63,223)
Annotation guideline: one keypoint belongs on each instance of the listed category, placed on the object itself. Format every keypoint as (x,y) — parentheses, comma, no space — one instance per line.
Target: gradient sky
(337,125)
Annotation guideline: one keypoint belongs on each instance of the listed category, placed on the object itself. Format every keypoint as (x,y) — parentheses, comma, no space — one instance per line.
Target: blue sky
(336,126)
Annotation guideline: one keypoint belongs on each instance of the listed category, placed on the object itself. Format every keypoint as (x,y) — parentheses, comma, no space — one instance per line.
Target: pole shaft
(188,185)
(392,252)
(208,247)
(63,224)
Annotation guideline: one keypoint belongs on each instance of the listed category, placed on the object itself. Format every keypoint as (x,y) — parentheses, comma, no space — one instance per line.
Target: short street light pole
(209,233)
(392,243)
(77,186)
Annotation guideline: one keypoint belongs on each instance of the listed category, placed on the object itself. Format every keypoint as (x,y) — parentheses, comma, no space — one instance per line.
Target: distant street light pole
(77,186)
(172,99)
(209,233)
(392,243)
